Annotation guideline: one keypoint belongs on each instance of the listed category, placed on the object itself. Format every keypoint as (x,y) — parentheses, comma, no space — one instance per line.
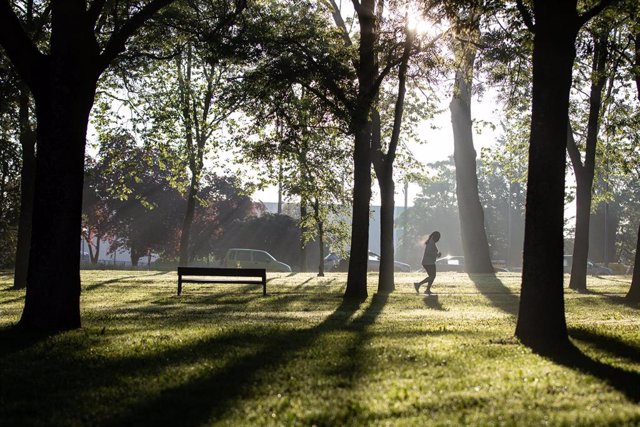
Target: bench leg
(179,285)
(264,285)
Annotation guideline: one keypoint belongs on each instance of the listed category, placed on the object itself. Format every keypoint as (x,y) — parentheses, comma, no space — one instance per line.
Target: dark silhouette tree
(472,221)
(17,123)
(27,185)
(634,291)
(85,38)
(585,170)
(413,50)
(541,321)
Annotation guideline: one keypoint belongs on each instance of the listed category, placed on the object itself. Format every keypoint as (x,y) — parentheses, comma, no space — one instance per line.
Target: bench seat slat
(244,282)
(186,275)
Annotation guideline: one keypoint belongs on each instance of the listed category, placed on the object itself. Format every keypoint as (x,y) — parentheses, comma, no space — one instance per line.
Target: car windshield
(262,257)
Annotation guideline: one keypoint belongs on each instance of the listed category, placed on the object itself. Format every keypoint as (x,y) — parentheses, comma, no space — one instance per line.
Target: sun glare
(417,23)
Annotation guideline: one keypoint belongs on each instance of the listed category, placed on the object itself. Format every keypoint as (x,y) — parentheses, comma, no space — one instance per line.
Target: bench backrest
(233,272)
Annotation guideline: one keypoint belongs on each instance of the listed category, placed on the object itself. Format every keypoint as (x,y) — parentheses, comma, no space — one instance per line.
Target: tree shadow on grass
(211,396)
(119,279)
(14,339)
(301,284)
(354,360)
(496,292)
(609,344)
(614,299)
(16,299)
(626,382)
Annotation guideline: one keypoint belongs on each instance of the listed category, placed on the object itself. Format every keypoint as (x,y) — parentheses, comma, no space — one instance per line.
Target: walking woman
(429,262)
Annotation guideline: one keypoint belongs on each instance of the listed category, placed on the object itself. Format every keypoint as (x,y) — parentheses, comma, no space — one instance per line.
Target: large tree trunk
(474,237)
(387,250)
(27,184)
(578,280)
(384,173)
(634,291)
(188,220)
(53,293)
(320,223)
(584,172)
(94,255)
(541,321)
(357,275)
(303,246)
(636,44)
(367,72)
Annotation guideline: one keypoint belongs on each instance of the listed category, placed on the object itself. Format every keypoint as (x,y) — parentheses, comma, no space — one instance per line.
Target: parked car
(594,269)
(456,263)
(253,258)
(450,263)
(373,264)
(333,262)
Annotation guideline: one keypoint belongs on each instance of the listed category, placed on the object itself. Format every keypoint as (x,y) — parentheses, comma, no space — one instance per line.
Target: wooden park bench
(193,274)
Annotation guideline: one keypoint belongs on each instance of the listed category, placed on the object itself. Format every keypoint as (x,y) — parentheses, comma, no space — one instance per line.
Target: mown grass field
(226,355)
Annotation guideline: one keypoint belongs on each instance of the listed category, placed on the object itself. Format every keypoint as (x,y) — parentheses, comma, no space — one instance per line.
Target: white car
(333,262)
(253,258)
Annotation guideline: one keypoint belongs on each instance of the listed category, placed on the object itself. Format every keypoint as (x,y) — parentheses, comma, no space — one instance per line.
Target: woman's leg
(425,280)
(431,271)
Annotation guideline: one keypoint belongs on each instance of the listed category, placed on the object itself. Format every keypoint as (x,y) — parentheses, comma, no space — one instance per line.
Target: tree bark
(475,245)
(188,220)
(94,255)
(320,223)
(541,321)
(27,184)
(367,72)
(357,274)
(384,173)
(387,249)
(634,291)
(585,172)
(636,44)
(53,293)
(303,246)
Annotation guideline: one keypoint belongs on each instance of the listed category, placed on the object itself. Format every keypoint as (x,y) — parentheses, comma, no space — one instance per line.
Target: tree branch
(402,89)
(574,152)
(526,16)
(595,10)
(337,17)
(94,11)
(117,41)
(20,49)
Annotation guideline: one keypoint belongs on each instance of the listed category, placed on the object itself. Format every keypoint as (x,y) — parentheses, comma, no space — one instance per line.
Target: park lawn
(226,355)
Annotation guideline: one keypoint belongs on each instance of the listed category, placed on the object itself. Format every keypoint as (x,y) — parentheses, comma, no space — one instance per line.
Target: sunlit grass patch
(225,355)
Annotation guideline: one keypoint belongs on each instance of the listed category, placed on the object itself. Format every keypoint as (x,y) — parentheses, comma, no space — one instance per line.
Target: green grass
(225,355)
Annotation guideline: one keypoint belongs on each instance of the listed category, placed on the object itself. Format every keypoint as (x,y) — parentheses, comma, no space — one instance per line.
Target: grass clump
(225,355)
